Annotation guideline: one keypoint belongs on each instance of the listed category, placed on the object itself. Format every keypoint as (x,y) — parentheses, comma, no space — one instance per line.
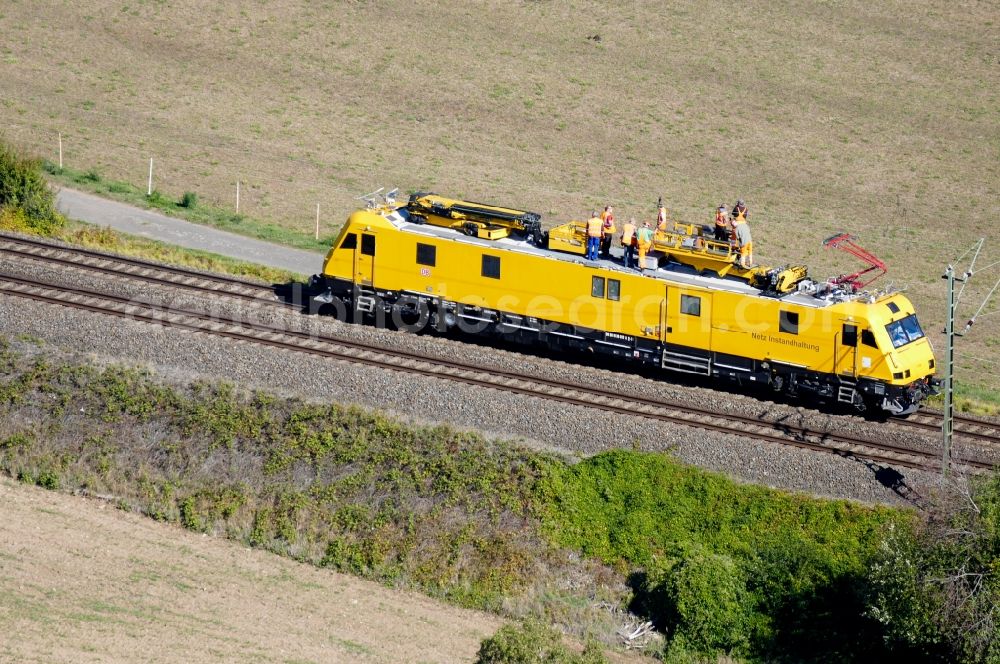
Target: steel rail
(404,361)
(982,432)
(170,275)
(965,427)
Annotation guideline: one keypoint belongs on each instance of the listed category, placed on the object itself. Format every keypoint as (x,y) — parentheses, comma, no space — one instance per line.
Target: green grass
(789,552)
(186,207)
(971,399)
(480,523)
(628,509)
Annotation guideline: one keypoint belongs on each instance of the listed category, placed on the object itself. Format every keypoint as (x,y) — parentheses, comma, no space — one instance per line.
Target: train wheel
(411,318)
(335,308)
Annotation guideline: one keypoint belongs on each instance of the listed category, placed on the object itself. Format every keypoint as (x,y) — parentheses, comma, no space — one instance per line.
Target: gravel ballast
(179,356)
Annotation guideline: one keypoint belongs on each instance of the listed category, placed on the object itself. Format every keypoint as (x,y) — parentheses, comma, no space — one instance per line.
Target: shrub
(93,175)
(26,202)
(937,592)
(189,200)
(47,479)
(14,219)
(189,514)
(706,602)
(531,642)
(801,560)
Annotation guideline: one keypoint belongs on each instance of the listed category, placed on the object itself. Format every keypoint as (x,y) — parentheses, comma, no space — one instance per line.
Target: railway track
(122,266)
(965,428)
(357,352)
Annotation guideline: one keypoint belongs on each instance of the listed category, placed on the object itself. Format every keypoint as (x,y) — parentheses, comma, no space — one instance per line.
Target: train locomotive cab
(894,359)
(345,288)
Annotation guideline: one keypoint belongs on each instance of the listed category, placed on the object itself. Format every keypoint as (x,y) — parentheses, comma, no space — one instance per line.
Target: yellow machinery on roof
(489,222)
(687,244)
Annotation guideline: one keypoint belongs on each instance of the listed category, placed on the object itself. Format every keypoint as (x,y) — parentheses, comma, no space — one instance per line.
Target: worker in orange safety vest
(608,228)
(661,216)
(628,240)
(722,224)
(740,210)
(595,230)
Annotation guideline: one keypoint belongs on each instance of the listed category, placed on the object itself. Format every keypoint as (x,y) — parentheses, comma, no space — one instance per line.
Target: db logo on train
(425,272)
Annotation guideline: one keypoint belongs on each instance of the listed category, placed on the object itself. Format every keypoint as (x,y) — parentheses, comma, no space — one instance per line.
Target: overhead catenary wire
(968,273)
(982,306)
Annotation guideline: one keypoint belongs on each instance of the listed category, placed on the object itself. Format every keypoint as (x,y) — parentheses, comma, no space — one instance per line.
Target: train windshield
(904,331)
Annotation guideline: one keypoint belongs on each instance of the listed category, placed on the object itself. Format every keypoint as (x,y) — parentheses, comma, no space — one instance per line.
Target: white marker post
(317,221)
(60,151)
(237,197)
(149,187)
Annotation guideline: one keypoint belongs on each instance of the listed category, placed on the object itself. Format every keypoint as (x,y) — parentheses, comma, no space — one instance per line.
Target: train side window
(491,266)
(868,339)
(597,286)
(788,322)
(368,244)
(426,254)
(350,242)
(850,336)
(614,289)
(691,305)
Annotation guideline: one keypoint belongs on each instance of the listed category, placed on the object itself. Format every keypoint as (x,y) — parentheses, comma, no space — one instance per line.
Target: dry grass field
(83,582)
(875,118)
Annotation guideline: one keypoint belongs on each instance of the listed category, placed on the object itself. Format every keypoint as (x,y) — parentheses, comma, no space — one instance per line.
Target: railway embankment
(483,522)
(571,429)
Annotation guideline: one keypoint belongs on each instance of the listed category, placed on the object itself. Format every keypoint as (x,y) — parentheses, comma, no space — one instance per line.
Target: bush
(14,219)
(48,479)
(937,592)
(26,202)
(189,200)
(793,564)
(706,606)
(531,642)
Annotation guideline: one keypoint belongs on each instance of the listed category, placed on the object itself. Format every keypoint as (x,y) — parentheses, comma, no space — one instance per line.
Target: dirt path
(83,582)
(146,223)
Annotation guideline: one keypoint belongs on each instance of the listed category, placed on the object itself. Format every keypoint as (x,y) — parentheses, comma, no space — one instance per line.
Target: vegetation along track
(405,361)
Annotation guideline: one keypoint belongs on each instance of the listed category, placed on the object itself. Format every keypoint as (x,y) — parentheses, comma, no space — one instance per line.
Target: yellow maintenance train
(440,263)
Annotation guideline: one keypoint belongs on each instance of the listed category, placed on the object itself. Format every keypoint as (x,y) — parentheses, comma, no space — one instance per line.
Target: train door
(663,327)
(689,318)
(846,359)
(686,331)
(364,260)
